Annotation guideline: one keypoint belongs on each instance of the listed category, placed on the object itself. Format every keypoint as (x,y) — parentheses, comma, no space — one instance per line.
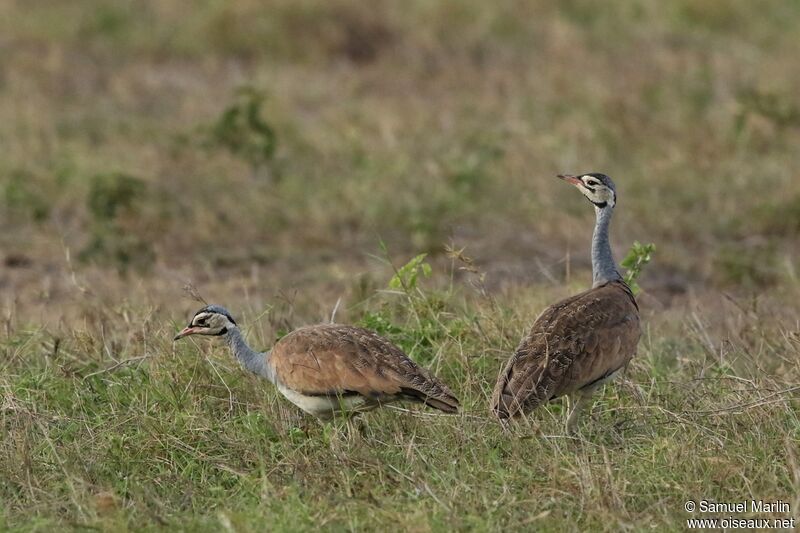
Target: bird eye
(592,182)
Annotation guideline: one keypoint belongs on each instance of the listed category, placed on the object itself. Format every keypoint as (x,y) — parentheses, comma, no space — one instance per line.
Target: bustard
(579,343)
(329,368)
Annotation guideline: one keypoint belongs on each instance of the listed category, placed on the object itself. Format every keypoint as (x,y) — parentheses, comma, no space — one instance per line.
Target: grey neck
(604,269)
(255,362)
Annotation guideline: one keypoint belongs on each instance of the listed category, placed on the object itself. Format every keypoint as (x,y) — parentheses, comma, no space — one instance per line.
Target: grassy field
(285,157)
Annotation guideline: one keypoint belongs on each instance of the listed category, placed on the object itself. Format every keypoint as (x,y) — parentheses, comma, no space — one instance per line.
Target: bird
(582,342)
(329,369)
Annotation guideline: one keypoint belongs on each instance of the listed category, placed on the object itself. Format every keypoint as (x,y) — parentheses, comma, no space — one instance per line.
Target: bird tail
(443,401)
(513,397)
(502,406)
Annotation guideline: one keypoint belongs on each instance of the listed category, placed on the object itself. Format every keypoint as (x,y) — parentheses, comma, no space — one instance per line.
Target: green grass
(266,152)
(132,432)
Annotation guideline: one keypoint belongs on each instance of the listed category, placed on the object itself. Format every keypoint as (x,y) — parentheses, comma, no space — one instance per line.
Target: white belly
(324,406)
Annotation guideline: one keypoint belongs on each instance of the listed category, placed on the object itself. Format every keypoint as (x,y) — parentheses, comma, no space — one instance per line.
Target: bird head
(598,188)
(212,320)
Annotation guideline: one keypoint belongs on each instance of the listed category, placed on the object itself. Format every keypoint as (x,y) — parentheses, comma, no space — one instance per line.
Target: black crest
(219,310)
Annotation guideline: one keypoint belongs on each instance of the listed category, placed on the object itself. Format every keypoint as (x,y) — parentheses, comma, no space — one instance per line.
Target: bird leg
(581,399)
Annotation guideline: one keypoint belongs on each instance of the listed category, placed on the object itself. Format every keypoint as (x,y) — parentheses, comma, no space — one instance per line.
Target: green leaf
(638,256)
(406,276)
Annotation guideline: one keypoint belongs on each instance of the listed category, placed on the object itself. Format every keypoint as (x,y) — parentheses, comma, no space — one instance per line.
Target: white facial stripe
(597,192)
(201,317)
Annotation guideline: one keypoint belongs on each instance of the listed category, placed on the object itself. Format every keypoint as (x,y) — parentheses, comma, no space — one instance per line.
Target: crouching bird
(580,343)
(329,368)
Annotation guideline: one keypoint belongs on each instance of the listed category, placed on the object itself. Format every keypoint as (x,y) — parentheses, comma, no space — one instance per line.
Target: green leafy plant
(23,194)
(407,275)
(414,318)
(638,256)
(746,265)
(776,107)
(110,194)
(242,129)
(114,202)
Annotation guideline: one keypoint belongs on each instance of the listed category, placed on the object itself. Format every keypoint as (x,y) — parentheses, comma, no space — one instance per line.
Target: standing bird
(329,368)
(577,344)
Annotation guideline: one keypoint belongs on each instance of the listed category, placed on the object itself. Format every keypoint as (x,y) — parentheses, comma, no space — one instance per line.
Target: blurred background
(251,147)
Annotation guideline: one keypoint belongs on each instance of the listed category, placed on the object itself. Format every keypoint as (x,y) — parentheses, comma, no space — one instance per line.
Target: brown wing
(573,344)
(337,360)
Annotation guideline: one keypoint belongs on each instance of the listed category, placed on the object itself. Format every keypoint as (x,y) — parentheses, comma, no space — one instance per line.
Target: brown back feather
(572,344)
(335,359)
